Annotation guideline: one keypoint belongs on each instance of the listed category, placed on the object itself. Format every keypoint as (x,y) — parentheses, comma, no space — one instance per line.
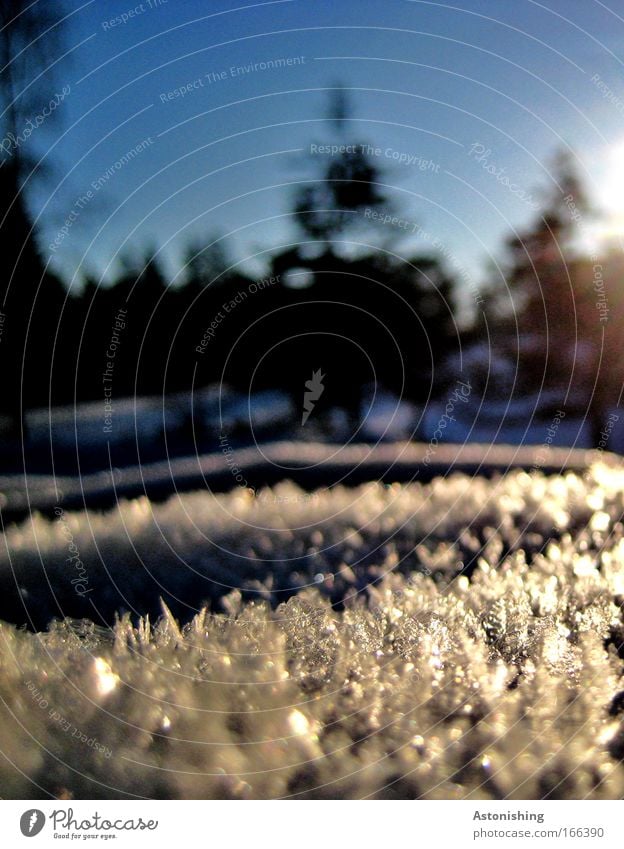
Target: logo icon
(315,390)
(31,822)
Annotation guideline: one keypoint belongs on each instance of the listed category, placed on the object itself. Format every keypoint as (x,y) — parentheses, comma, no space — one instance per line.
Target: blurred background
(224,225)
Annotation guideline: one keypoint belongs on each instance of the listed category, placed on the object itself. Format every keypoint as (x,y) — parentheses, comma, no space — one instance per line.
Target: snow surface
(511,420)
(458,639)
(312,464)
(222,410)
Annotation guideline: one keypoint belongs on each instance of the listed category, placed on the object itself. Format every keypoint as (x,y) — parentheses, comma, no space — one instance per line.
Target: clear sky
(429,82)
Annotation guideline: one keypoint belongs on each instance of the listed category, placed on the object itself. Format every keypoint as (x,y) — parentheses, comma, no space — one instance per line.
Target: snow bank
(458,639)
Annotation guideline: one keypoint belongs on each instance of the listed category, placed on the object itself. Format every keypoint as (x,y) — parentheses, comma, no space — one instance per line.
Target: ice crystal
(464,641)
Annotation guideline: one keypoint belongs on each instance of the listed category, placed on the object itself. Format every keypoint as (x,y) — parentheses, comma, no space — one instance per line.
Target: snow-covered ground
(386,417)
(212,412)
(146,418)
(520,425)
(459,639)
(409,636)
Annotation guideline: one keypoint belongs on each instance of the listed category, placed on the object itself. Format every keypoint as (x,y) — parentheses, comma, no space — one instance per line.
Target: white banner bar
(301,824)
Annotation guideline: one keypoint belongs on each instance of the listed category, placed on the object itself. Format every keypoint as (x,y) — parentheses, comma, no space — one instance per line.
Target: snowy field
(145,430)
(461,638)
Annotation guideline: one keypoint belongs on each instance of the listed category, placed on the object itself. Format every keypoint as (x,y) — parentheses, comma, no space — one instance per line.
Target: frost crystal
(463,639)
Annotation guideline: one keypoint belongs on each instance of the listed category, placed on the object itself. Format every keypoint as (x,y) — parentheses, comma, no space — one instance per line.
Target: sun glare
(612,194)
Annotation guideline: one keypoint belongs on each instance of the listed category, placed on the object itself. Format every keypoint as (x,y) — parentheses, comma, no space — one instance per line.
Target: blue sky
(428,80)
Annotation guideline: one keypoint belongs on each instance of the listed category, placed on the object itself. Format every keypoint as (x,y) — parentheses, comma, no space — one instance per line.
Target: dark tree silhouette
(346,182)
(562,342)
(366,317)
(31,299)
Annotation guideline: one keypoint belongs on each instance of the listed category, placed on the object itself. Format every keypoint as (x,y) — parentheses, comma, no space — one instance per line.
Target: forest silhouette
(369,316)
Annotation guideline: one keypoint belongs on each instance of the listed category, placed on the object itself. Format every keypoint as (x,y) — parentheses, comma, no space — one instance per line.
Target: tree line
(370,316)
